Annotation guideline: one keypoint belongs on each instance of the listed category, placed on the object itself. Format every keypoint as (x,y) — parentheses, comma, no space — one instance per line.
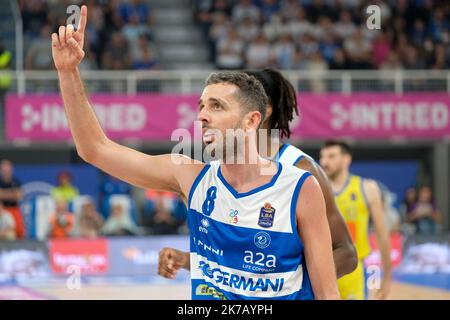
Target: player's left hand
(383,292)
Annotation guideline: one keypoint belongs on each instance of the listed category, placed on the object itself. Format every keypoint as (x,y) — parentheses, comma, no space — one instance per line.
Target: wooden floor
(182,292)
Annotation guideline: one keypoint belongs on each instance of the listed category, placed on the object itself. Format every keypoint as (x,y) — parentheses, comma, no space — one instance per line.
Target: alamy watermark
(73,281)
(374,17)
(230,147)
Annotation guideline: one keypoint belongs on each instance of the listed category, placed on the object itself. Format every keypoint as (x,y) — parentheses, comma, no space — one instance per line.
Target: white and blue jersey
(246,245)
(290,155)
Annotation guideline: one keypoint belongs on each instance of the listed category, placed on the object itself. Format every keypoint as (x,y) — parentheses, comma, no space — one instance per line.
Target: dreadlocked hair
(281,96)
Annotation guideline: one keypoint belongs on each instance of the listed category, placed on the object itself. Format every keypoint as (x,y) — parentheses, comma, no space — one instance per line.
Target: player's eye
(216,106)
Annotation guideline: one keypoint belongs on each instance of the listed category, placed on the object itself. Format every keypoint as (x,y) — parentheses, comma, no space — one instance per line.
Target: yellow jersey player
(359,200)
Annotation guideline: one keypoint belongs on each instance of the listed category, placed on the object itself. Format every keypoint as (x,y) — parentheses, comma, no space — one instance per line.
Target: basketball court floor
(162,289)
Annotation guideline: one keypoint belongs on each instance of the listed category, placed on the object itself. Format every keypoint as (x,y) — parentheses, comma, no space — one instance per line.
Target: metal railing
(192,81)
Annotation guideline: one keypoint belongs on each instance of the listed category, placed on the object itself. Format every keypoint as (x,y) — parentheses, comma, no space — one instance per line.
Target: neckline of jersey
(347,181)
(253,191)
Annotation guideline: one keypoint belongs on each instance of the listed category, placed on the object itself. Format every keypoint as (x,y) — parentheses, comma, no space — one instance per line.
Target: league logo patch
(266,216)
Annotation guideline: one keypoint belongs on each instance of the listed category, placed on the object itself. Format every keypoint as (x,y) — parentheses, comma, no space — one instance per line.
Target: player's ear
(252,120)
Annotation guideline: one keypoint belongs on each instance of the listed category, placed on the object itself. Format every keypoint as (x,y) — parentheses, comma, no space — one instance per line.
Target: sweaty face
(219,110)
(333,160)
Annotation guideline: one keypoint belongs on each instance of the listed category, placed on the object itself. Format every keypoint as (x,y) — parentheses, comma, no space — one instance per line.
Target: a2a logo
(260,259)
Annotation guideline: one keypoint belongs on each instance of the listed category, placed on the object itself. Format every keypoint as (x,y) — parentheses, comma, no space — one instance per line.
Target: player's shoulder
(295,172)
(371,188)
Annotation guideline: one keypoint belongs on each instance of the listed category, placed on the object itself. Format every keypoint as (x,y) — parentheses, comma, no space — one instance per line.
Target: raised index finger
(83,19)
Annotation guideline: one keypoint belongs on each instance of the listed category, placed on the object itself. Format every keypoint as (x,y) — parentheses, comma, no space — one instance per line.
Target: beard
(333,174)
(227,145)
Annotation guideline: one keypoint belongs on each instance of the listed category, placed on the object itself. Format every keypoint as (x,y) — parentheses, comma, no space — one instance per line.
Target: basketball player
(279,246)
(280,112)
(359,200)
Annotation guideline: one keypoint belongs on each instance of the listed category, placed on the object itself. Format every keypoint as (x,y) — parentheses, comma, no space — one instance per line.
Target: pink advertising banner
(155,117)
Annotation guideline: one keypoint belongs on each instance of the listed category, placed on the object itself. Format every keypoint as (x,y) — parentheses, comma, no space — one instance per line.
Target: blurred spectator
(34,16)
(290,9)
(308,45)
(317,8)
(111,186)
(220,27)
(119,223)
(439,26)
(144,56)
(412,59)
(424,215)
(344,28)
(299,25)
(391,63)
(439,60)
(90,221)
(276,27)
(269,8)
(248,30)
(245,9)
(284,52)
(11,194)
(418,32)
(358,51)
(381,49)
(218,30)
(162,220)
(65,190)
(300,61)
(323,27)
(134,30)
(258,54)
(328,47)
(39,56)
(339,61)
(318,66)
(62,221)
(408,203)
(230,51)
(131,8)
(117,55)
(7,225)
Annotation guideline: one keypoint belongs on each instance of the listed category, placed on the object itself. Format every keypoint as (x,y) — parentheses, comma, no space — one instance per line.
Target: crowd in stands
(419,213)
(326,34)
(118,35)
(286,34)
(116,213)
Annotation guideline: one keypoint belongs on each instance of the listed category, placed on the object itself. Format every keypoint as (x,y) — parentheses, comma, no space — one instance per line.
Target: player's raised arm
(315,234)
(93,146)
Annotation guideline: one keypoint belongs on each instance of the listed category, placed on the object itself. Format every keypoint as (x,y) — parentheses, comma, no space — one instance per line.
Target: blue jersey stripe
(239,240)
(280,153)
(294,201)
(258,189)
(196,182)
(297,160)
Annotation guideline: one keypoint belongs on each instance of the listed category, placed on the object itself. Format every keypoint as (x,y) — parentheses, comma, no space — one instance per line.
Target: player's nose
(203,116)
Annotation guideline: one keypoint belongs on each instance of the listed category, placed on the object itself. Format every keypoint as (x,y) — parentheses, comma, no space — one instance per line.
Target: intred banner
(155,117)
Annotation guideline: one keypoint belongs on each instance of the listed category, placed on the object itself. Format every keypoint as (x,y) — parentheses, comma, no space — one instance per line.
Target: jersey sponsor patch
(266,216)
